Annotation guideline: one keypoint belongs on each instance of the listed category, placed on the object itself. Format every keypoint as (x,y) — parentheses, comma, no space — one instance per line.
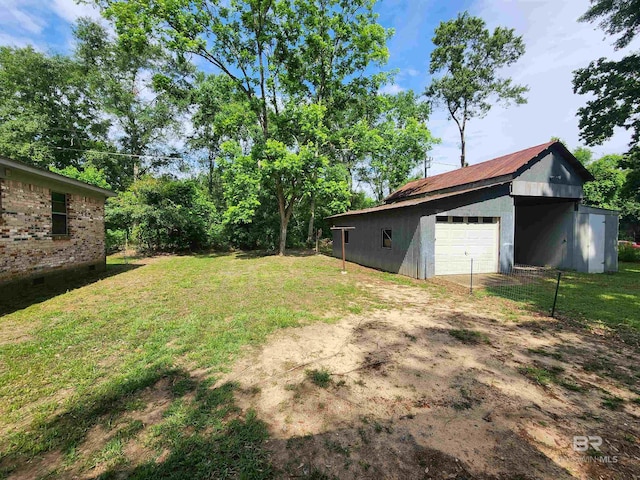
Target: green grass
(609,299)
(470,337)
(611,402)
(545,375)
(85,359)
(321,378)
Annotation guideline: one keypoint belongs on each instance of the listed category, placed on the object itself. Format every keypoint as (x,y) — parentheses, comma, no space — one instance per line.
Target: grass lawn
(609,299)
(129,361)
(80,364)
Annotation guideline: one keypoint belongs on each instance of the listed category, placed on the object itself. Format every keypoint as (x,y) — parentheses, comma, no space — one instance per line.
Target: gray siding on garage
(551,176)
(365,242)
(552,168)
(494,202)
(414,232)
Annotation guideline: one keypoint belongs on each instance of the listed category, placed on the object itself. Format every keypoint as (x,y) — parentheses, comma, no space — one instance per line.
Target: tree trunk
(211,165)
(312,220)
(463,158)
(285,215)
(283,235)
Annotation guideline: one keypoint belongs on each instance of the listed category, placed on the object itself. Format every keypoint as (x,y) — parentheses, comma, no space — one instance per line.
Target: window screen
(386,238)
(58,214)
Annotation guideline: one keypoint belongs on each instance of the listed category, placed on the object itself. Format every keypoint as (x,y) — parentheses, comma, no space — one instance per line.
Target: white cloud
(20,14)
(391,89)
(70,11)
(39,22)
(18,41)
(556,45)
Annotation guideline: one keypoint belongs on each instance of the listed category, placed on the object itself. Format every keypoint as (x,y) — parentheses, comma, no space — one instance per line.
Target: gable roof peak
(497,168)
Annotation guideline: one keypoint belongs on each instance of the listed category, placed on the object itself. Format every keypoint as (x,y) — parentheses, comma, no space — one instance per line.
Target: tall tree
(47,115)
(467,58)
(256,44)
(219,114)
(128,77)
(614,84)
(615,88)
(396,141)
(329,43)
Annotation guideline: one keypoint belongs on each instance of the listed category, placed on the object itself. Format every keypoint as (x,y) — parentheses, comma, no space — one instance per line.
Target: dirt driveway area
(445,386)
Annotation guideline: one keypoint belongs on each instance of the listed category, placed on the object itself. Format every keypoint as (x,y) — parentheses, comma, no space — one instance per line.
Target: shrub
(165,215)
(627,253)
(114,240)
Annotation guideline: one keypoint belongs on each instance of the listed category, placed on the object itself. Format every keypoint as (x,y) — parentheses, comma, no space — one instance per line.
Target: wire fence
(536,286)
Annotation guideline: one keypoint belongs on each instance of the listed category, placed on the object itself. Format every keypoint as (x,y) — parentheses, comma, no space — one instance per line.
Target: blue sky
(556,45)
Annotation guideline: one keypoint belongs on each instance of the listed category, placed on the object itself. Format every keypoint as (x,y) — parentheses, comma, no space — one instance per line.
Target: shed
(51,226)
(521,208)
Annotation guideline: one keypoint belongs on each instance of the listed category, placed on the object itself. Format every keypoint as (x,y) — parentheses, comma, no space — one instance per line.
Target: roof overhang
(414,201)
(55,177)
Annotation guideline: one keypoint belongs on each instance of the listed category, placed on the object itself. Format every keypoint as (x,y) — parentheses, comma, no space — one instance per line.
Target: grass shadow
(19,296)
(290,252)
(199,434)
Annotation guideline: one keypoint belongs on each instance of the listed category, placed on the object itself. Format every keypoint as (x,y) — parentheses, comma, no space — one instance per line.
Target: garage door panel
(457,243)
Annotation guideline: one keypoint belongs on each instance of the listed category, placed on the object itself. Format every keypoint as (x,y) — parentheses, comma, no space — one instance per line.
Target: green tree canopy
(47,115)
(128,80)
(285,57)
(466,59)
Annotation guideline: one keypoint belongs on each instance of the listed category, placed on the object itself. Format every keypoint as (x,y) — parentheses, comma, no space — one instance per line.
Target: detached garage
(521,208)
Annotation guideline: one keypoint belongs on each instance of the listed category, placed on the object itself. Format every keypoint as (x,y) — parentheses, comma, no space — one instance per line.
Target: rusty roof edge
(488,182)
(420,182)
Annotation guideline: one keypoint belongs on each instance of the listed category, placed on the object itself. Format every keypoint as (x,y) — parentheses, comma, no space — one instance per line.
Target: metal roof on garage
(507,165)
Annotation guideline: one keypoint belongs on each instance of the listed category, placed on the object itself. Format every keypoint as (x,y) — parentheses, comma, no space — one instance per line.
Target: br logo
(582,443)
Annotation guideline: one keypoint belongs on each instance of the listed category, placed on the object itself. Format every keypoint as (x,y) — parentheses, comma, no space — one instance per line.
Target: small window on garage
(489,219)
(59,224)
(386,238)
(441,219)
(473,219)
(457,219)
(346,236)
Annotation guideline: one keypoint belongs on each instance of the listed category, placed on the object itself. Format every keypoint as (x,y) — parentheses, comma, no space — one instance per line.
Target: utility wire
(118,154)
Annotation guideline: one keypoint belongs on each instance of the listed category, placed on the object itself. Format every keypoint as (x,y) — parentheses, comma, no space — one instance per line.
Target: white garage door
(457,243)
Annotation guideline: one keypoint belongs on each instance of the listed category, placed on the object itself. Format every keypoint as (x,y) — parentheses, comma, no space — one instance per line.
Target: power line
(163,157)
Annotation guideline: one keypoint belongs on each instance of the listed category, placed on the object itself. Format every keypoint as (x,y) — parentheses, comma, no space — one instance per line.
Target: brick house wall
(27,246)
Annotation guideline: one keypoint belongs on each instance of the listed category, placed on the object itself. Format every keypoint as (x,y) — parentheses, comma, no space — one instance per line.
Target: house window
(346,236)
(442,219)
(472,220)
(59,214)
(457,219)
(386,238)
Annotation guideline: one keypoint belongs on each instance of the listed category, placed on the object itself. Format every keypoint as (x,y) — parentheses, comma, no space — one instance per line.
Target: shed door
(596,243)
(457,243)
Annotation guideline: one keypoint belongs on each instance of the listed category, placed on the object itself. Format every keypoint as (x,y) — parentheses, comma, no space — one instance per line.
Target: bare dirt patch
(411,398)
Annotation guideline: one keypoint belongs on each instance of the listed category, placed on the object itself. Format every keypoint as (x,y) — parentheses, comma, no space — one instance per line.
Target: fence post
(555,298)
(471,279)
